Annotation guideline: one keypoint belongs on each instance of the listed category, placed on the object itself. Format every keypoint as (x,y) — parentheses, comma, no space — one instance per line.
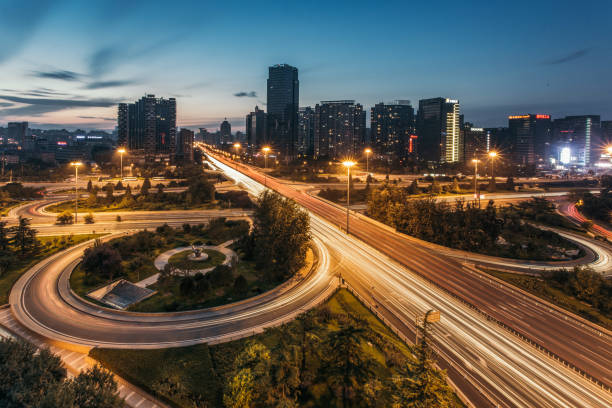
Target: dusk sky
(68,63)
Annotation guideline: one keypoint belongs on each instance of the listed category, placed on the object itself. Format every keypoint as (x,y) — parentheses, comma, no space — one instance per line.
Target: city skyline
(215,62)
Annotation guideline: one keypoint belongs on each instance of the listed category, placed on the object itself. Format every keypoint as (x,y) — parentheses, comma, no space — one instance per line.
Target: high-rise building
(439,130)
(184,146)
(606,132)
(339,129)
(226,132)
(530,135)
(148,127)
(306,130)
(476,142)
(18,131)
(393,129)
(256,128)
(574,139)
(283,92)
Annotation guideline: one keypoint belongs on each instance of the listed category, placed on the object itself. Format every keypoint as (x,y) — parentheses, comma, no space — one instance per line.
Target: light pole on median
(237,146)
(121,151)
(367,152)
(348,164)
(476,195)
(265,149)
(492,156)
(76,188)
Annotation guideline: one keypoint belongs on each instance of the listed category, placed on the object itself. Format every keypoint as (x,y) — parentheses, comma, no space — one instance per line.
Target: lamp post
(265,149)
(76,188)
(367,152)
(348,164)
(237,146)
(476,195)
(121,151)
(492,156)
(431,316)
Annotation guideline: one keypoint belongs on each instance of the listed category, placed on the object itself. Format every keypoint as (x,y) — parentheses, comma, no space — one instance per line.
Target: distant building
(575,139)
(531,135)
(393,129)
(148,128)
(475,141)
(256,129)
(18,131)
(306,131)
(283,92)
(226,132)
(339,129)
(184,146)
(439,130)
(606,132)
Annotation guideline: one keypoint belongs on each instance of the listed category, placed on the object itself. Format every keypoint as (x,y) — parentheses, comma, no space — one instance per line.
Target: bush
(65,218)
(89,219)
(220,276)
(240,285)
(102,260)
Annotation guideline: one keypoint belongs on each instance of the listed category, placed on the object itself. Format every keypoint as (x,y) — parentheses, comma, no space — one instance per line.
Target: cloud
(19,20)
(108,84)
(569,57)
(40,106)
(243,94)
(5,104)
(61,75)
(97,117)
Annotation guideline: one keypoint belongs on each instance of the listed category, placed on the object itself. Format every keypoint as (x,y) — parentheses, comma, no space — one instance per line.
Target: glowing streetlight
(492,156)
(265,149)
(609,150)
(76,188)
(348,164)
(121,152)
(476,195)
(367,152)
(237,146)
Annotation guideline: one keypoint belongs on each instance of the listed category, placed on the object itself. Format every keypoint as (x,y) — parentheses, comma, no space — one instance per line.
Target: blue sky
(67,63)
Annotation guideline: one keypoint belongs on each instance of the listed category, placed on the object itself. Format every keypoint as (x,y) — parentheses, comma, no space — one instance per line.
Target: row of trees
(585,285)
(279,239)
(311,365)
(19,240)
(492,230)
(36,378)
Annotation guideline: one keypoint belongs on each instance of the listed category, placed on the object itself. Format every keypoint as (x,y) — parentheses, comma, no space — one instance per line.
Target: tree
(455,188)
(119,186)
(347,368)
(92,200)
(109,192)
(24,236)
(240,285)
(201,191)
(89,219)
(435,187)
(102,260)
(94,388)
(146,185)
(510,183)
(65,217)
(27,374)
(239,392)
(414,188)
(89,186)
(251,377)
(4,237)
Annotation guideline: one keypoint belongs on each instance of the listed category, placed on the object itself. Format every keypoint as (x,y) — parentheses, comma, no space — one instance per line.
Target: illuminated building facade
(256,125)
(439,130)
(339,129)
(393,129)
(476,142)
(531,136)
(574,139)
(283,92)
(306,129)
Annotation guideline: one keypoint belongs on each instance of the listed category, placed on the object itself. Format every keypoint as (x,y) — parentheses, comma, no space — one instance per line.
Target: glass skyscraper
(283,94)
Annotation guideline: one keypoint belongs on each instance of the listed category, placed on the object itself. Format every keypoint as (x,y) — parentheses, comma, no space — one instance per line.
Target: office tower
(438,127)
(18,131)
(475,141)
(225,131)
(574,138)
(306,130)
(606,132)
(282,104)
(184,146)
(339,129)
(256,128)
(393,129)
(148,128)
(530,135)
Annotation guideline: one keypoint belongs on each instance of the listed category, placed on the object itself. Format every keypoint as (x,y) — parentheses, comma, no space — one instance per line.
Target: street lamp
(367,152)
(492,156)
(609,150)
(265,149)
(476,195)
(237,146)
(348,164)
(76,188)
(121,151)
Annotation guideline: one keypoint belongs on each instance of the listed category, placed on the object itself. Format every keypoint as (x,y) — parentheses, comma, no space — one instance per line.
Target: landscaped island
(338,354)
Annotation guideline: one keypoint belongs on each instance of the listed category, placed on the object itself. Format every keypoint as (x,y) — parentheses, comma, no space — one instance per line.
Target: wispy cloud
(243,94)
(97,117)
(5,104)
(40,106)
(62,75)
(109,84)
(569,57)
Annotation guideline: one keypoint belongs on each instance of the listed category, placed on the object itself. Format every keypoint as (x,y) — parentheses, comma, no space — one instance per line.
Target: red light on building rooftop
(542,116)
